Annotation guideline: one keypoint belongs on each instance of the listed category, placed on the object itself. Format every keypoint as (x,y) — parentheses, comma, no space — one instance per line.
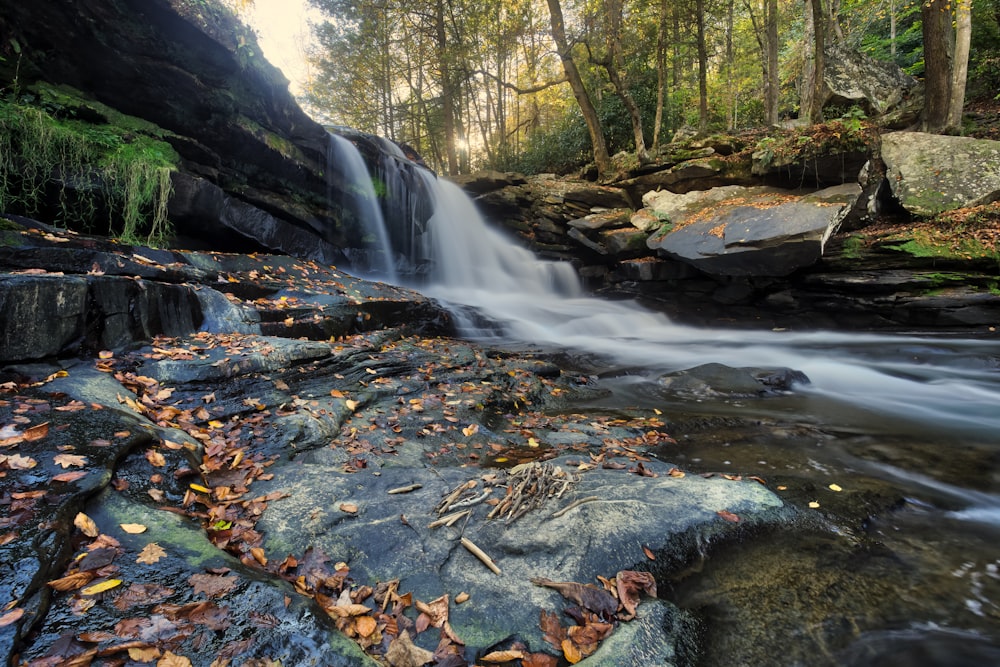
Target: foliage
(55,163)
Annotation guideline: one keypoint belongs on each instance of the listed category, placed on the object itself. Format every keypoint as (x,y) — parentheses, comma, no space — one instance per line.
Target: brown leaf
(503,656)
(67,477)
(141,594)
(649,552)
(539,660)
(212,585)
(593,598)
(365,625)
(68,460)
(172,660)
(552,631)
(86,525)
(728,516)
(133,528)
(71,582)
(436,610)
(148,654)
(403,653)
(12,616)
(151,554)
(630,583)
(36,432)
(155,458)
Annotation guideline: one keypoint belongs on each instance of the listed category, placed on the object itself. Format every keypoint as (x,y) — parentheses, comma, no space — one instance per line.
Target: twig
(448,520)
(405,489)
(472,501)
(480,554)
(575,503)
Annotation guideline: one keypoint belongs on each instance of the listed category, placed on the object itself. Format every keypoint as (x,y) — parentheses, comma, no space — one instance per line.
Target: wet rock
(878,87)
(715,380)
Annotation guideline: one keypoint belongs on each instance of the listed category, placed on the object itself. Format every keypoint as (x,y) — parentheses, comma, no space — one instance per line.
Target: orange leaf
(571,652)
(71,582)
(86,525)
(155,458)
(11,617)
(728,516)
(69,476)
(365,625)
(503,656)
(36,432)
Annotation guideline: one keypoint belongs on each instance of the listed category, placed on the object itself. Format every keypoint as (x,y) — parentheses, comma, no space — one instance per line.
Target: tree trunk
(661,72)
(960,69)
(818,97)
(702,68)
(936,16)
(447,88)
(601,157)
(772,77)
(615,67)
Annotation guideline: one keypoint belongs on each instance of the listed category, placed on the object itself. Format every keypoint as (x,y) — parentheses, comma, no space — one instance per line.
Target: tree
(590,117)
(960,70)
(938,50)
(813,94)
(614,64)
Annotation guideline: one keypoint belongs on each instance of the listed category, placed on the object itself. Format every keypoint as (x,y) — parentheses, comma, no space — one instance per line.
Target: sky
(283,30)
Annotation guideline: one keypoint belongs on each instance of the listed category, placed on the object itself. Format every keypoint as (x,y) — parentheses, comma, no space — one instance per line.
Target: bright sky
(283,30)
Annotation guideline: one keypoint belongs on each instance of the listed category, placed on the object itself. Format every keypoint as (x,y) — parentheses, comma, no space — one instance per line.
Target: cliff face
(193,70)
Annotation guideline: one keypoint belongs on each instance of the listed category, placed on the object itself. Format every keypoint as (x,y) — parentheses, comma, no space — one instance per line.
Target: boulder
(932,173)
(744,232)
(878,87)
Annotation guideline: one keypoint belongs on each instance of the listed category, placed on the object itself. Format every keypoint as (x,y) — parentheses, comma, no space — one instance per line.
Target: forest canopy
(533,85)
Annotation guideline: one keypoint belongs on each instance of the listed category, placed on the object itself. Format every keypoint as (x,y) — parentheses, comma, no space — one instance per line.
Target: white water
(951,384)
(362,200)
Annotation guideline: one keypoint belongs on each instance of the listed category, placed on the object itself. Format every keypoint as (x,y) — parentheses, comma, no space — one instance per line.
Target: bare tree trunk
(702,68)
(447,89)
(601,157)
(960,68)
(730,77)
(936,16)
(661,72)
(813,88)
(772,77)
(615,67)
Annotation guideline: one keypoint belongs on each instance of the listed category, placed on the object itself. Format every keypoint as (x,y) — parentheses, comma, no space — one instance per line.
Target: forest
(546,86)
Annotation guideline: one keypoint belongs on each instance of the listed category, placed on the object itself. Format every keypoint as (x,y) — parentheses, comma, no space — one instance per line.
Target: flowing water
(902,563)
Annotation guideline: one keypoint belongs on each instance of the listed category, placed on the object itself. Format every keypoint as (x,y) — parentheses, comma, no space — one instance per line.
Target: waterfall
(426,233)
(499,290)
(348,180)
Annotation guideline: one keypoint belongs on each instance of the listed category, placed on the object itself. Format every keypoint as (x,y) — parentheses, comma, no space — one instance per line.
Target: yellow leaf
(533,442)
(258,555)
(351,405)
(571,652)
(105,585)
(133,528)
(200,489)
(835,487)
(215,423)
(814,505)
(470,430)
(144,654)
(86,525)
(151,554)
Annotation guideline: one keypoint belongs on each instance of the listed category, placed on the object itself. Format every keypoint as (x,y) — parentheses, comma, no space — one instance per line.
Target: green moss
(854,245)
(928,247)
(71,162)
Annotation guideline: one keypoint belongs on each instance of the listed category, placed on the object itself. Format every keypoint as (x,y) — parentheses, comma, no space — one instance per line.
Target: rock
(602,220)
(714,380)
(646,220)
(932,173)
(754,233)
(482,182)
(878,87)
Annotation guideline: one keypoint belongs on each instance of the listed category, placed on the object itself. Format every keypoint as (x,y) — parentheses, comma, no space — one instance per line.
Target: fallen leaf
(365,625)
(629,584)
(539,660)
(105,585)
(173,660)
(18,462)
(212,585)
(350,508)
(36,432)
(835,487)
(151,554)
(68,460)
(403,653)
(148,654)
(503,656)
(469,431)
(814,505)
(71,582)
(86,525)
(133,528)
(258,555)
(571,652)
(155,458)
(351,404)
(69,476)
(729,516)
(649,553)
(12,616)
(461,597)
(593,598)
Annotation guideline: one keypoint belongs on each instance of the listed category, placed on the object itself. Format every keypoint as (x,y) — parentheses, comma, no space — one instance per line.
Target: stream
(891,447)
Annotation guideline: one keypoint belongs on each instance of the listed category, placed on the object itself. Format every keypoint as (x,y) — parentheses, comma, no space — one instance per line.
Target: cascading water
(881,413)
(348,180)
(950,383)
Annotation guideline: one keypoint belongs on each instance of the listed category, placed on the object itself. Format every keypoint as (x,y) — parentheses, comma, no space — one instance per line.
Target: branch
(520,91)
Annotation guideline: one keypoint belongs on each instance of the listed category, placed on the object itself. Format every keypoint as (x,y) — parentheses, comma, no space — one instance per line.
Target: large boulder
(931,173)
(878,87)
(751,231)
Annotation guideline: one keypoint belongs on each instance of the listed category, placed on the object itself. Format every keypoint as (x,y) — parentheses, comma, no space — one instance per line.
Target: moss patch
(79,163)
